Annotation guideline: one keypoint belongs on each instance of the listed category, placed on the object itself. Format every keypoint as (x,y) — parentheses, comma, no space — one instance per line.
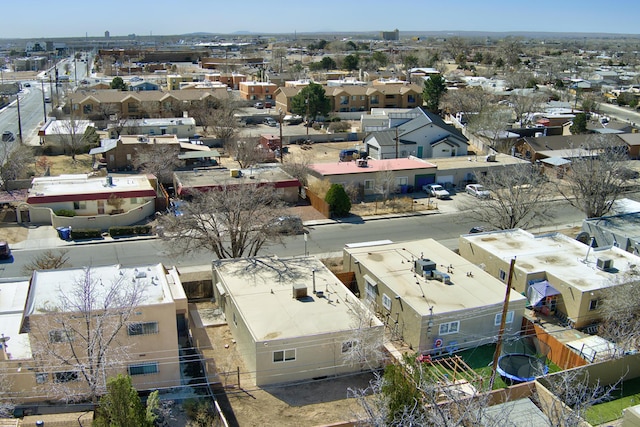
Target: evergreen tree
(434,88)
(338,200)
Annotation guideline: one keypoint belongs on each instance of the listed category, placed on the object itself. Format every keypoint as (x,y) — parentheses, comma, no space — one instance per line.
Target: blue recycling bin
(64,232)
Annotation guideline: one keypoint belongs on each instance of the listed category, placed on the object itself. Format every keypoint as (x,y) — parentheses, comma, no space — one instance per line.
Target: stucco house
(293,320)
(568,274)
(150,335)
(429,297)
(418,133)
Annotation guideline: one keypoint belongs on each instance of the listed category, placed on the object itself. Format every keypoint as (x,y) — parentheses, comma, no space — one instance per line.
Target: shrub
(129,230)
(89,233)
(339,127)
(65,212)
(338,200)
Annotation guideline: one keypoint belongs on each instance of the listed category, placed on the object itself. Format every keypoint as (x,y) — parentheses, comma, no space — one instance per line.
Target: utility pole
(397,141)
(44,104)
(19,120)
(503,321)
(308,124)
(280,117)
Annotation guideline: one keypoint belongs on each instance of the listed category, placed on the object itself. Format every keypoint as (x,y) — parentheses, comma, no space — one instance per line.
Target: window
(389,96)
(42,377)
(386,302)
(348,345)
(593,304)
(60,335)
(369,184)
(145,328)
(344,100)
(374,100)
(353,97)
(450,328)
(498,317)
(370,289)
(284,355)
(86,109)
(65,377)
(503,275)
(411,98)
(143,369)
(129,157)
(361,97)
(79,205)
(133,200)
(402,180)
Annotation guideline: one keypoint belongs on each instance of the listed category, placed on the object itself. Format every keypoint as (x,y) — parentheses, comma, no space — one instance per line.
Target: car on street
(27,84)
(478,191)
(269,121)
(436,190)
(258,105)
(5,251)
(8,136)
(47,99)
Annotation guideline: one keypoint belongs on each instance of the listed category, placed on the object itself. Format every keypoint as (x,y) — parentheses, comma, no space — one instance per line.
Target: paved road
(322,239)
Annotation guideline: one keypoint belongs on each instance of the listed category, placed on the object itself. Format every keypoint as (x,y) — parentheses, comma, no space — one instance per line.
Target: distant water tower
(106,34)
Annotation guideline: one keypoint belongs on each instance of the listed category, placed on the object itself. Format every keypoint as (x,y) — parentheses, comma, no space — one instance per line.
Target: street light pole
(280,116)
(19,120)
(44,104)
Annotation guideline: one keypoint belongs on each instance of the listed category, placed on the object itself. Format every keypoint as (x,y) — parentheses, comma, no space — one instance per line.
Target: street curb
(356,220)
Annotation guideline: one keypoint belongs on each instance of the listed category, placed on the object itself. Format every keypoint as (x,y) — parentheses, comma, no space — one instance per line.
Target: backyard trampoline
(522,359)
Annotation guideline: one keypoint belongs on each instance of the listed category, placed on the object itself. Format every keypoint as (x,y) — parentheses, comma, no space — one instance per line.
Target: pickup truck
(436,190)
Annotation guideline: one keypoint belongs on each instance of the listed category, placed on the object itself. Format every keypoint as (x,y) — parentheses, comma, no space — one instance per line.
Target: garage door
(445,179)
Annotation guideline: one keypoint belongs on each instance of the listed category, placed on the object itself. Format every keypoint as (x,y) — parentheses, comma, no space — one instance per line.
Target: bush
(89,233)
(134,230)
(65,212)
(339,127)
(338,200)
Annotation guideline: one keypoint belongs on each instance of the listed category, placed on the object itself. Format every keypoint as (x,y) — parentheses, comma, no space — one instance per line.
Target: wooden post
(503,320)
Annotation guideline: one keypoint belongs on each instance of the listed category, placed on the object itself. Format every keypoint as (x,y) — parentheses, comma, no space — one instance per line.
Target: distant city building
(390,35)
(106,34)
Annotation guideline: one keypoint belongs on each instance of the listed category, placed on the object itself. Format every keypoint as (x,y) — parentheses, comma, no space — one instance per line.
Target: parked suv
(5,251)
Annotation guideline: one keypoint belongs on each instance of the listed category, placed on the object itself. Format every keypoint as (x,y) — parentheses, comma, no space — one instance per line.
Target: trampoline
(522,359)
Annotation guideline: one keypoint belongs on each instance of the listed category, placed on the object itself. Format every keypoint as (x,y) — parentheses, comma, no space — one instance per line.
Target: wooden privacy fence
(559,353)
(318,203)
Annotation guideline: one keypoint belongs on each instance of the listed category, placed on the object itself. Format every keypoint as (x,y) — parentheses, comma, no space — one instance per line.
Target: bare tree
(491,125)
(620,308)
(247,152)
(297,165)
(365,346)
(597,177)
(232,221)
(519,198)
(79,333)
(6,402)
(47,260)
(524,105)
(73,137)
(159,160)
(13,161)
(473,100)
(385,182)
(223,122)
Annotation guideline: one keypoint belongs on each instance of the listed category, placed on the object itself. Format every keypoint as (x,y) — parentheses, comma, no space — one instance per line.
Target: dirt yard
(315,402)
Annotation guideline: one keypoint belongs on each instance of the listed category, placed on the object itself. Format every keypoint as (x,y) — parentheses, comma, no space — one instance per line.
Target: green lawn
(628,395)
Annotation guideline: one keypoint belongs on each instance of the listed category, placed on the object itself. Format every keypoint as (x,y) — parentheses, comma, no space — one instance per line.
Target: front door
(100,207)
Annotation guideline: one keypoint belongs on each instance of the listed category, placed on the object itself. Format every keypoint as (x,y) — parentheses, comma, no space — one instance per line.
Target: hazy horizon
(72,18)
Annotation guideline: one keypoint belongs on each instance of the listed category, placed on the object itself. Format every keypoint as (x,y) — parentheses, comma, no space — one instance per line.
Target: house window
(369,184)
(284,355)
(593,304)
(86,109)
(143,369)
(60,335)
(389,96)
(65,377)
(348,345)
(344,100)
(353,97)
(142,328)
(129,157)
(374,100)
(402,180)
(411,98)
(498,317)
(132,107)
(386,302)
(79,205)
(370,289)
(361,97)
(133,200)
(42,377)
(449,328)
(503,275)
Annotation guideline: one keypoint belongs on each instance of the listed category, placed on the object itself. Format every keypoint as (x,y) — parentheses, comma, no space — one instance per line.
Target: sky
(37,19)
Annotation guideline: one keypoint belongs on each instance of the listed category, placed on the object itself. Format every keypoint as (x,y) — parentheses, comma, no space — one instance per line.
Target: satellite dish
(583,237)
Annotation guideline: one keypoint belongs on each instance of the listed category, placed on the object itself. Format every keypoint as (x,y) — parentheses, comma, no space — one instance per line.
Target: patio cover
(539,291)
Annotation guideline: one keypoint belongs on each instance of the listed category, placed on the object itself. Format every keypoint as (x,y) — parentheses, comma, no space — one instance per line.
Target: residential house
(231,80)
(558,274)
(257,91)
(98,201)
(63,135)
(538,148)
(181,127)
(633,143)
(429,297)
(120,154)
(143,86)
(292,319)
(418,133)
(374,176)
(620,230)
(174,81)
(186,182)
(30,311)
(103,104)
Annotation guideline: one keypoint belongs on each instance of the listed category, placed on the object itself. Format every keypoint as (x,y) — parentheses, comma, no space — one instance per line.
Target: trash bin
(64,232)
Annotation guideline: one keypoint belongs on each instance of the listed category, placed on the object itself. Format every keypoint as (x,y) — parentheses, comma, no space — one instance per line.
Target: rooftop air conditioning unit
(443,277)
(424,265)
(604,264)
(299,291)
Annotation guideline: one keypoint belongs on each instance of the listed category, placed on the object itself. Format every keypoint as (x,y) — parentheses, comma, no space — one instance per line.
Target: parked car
(27,84)
(270,122)
(5,251)
(258,105)
(350,154)
(436,190)
(8,136)
(47,99)
(477,229)
(478,191)
(288,224)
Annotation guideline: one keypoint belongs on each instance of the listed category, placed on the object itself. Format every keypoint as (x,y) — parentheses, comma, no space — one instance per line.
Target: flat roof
(475,162)
(216,177)
(347,168)
(262,289)
(557,255)
(65,127)
(13,296)
(55,188)
(471,287)
(48,286)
